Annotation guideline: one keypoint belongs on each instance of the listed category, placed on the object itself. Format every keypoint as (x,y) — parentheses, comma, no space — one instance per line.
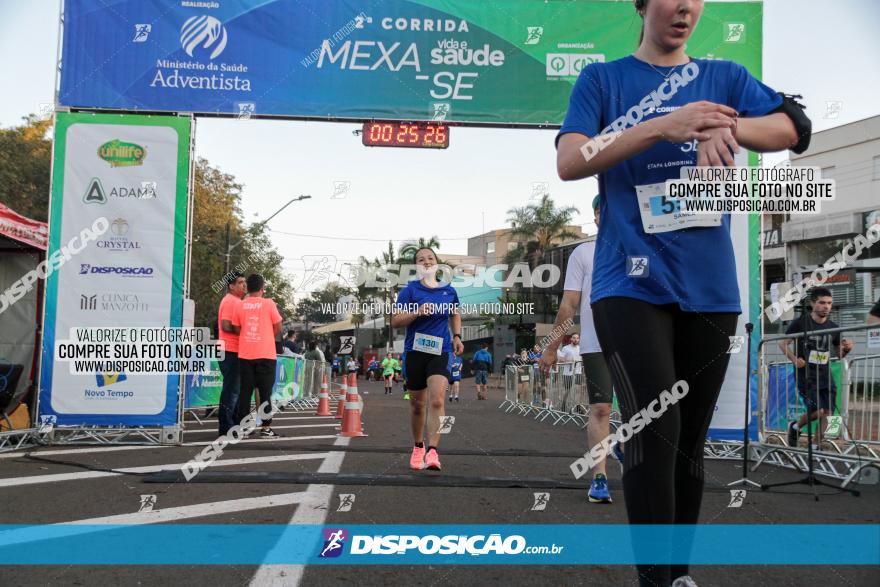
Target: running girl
(388,372)
(428,310)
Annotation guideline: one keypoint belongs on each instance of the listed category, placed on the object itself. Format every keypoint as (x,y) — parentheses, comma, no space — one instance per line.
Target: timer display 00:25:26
(396,134)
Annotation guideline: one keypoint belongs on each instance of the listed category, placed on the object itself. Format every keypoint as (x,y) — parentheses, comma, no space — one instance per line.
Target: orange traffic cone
(323,399)
(351,419)
(340,407)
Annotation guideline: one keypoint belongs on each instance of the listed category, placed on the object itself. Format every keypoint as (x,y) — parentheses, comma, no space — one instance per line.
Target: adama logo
(120,154)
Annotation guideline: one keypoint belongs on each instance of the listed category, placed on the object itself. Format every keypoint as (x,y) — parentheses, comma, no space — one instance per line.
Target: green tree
(25,159)
(312,310)
(408,248)
(538,227)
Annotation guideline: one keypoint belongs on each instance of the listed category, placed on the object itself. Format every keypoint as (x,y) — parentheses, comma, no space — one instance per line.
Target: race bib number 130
(428,344)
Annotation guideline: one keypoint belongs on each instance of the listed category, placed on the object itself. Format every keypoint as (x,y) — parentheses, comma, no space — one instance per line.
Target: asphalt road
(67,484)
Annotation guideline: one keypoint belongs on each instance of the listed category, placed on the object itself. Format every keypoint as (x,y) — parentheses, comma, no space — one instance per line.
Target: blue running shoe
(599,490)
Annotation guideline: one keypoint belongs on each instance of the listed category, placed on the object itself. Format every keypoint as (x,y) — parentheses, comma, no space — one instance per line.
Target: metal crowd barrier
(559,396)
(313,374)
(850,451)
(861,412)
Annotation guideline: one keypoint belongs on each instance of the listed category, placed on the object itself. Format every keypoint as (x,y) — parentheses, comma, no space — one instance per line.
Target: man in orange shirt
(258,323)
(235,290)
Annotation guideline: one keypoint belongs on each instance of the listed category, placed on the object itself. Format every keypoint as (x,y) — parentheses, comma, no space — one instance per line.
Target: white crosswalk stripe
(54,478)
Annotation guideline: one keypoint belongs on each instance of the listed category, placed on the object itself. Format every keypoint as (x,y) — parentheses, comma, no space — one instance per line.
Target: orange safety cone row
(340,407)
(323,399)
(351,419)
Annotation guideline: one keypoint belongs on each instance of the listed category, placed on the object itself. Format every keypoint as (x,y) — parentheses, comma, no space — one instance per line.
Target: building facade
(850,155)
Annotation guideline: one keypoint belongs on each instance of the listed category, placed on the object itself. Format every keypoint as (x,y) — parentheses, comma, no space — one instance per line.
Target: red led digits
(405,134)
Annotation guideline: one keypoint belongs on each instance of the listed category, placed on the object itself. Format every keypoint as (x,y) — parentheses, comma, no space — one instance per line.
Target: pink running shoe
(417,460)
(432,460)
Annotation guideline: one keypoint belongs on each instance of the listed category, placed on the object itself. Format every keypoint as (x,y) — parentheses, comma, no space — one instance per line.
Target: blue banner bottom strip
(251,544)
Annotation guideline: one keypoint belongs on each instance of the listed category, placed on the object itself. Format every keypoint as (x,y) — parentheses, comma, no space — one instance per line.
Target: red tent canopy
(22,229)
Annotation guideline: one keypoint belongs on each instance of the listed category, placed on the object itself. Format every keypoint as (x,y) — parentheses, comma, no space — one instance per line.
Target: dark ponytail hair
(640,5)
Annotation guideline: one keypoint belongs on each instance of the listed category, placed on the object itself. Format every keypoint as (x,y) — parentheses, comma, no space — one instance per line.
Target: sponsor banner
(526,544)
(727,418)
(132,171)
(452,60)
(203,389)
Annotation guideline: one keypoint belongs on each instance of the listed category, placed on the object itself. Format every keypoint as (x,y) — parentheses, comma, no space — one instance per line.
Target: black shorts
(598,378)
(420,366)
(827,398)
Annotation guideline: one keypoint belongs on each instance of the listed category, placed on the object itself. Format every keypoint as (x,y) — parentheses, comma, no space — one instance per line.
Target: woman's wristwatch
(456,335)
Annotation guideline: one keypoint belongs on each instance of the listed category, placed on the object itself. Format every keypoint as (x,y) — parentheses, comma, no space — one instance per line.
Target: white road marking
(95,449)
(257,440)
(200,509)
(75,451)
(38,479)
(312,511)
(74,528)
(327,425)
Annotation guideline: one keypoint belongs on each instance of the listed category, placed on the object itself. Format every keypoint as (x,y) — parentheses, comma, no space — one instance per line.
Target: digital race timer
(406,134)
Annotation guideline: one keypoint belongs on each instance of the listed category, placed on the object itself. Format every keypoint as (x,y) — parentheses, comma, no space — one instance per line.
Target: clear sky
(826,51)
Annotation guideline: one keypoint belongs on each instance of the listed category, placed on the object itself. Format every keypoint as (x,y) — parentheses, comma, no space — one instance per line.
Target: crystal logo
(334,541)
(204,31)
(119,227)
(119,241)
(120,154)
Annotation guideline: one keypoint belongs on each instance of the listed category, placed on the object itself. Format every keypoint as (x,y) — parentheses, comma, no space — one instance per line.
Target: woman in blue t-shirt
(428,309)
(665,296)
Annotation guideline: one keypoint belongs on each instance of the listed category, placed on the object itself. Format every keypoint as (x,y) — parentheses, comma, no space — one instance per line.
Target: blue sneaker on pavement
(599,490)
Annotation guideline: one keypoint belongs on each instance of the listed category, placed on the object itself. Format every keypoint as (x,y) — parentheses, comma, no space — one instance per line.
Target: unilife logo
(203,30)
(121,154)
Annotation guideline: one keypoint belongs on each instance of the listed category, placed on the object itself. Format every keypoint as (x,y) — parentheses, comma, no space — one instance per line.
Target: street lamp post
(229,248)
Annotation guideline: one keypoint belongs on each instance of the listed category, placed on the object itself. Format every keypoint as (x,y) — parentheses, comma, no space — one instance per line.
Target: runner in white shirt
(578,280)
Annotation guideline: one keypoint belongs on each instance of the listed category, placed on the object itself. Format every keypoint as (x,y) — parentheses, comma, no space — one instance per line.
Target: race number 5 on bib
(663,214)
(818,357)
(428,344)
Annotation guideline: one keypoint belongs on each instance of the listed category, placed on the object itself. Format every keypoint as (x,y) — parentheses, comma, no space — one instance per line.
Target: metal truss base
(98,435)
(847,467)
(17,439)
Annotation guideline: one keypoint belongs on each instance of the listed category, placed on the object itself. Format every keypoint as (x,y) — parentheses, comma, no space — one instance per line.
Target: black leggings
(648,348)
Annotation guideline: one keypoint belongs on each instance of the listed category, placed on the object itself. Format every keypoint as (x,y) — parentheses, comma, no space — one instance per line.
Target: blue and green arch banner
(490,62)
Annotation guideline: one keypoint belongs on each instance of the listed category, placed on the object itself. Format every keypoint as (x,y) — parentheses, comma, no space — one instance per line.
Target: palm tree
(542,225)
(357,318)
(408,248)
(387,294)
